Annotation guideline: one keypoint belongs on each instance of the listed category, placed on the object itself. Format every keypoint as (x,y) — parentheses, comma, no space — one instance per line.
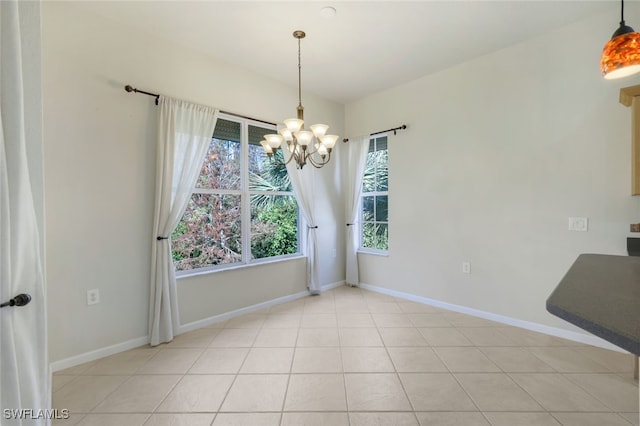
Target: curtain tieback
(162,238)
(350,224)
(313,227)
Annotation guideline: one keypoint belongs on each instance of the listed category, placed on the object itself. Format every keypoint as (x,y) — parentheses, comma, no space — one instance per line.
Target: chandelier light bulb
(293,124)
(274,141)
(319,129)
(329,141)
(303,137)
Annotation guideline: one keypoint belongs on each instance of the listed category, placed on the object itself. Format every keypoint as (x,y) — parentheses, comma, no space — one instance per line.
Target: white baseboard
(540,328)
(98,353)
(134,343)
(333,285)
(242,311)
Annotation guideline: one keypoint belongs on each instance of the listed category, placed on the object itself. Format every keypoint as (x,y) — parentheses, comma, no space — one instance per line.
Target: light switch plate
(580,224)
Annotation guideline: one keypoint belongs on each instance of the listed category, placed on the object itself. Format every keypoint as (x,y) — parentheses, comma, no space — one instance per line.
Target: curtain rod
(394,130)
(130,88)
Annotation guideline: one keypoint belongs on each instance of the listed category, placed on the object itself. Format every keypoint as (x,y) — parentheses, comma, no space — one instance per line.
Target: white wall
(99,171)
(499,152)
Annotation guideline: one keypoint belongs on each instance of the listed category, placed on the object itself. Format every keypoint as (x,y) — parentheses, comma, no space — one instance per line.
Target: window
(242,208)
(374,233)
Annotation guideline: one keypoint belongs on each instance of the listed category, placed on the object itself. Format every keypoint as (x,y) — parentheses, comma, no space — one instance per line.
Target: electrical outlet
(93,296)
(466,267)
(580,224)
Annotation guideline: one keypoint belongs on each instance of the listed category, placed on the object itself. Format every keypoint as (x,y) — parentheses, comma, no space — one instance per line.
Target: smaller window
(374,213)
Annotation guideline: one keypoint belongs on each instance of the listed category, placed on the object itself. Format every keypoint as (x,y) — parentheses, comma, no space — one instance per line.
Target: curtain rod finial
(128,88)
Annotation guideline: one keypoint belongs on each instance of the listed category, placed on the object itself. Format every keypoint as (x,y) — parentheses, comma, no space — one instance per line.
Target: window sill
(235,266)
(373,252)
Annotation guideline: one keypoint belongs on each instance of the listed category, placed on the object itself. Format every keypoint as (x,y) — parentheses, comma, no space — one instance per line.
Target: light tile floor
(354,357)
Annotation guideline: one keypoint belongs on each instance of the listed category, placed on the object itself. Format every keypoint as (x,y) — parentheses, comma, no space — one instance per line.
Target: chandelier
(313,146)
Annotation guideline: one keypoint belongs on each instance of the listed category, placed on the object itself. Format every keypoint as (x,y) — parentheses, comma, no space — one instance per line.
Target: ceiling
(368,46)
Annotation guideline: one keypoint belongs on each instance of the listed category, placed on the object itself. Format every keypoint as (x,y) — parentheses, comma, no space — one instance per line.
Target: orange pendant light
(621,54)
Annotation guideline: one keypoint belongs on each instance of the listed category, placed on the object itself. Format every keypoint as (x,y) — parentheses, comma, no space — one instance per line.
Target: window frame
(361,221)
(245,194)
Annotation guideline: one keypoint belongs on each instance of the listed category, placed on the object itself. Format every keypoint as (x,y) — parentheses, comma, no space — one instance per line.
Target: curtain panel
(184,134)
(302,182)
(24,364)
(356,160)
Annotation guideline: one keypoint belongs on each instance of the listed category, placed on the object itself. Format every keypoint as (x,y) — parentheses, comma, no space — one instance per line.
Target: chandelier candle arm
(298,139)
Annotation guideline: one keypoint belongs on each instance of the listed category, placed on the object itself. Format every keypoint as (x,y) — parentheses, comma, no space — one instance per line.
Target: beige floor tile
(75,370)
(234,338)
(322,307)
(418,308)
(313,320)
(139,394)
(375,392)
(496,392)
(85,392)
(462,320)
(315,392)
(556,393)
(360,337)
(58,381)
(315,419)
(197,393)
(122,364)
(516,360)
(219,361)
(366,360)
(436,392)
(251,321)
(522,419)
(452,419)
(522,337)
(402,337)
(131,419)
(633,418)
(317,360)
(416,360)
(429,320)
(180,420)
(318,337)
(444,337)
(568,360)
(276,338)
(282,321)
(268,361)
(72,420)
(590,419)
(171,361)
(383,419)
(466,360)
(246,419)
(382,307)
(392,320)
(486,336)
(293,307)
(256,393)
(617,362)
(615,392)
(355,320)
(352,305)
(200,338)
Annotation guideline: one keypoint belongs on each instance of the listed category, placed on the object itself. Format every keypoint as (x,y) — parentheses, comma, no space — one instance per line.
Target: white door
(24,372)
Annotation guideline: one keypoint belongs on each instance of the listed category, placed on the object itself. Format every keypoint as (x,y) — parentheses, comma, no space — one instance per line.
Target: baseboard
(97,354)
(540,328)
(242,311)
(333,285)
(135,343)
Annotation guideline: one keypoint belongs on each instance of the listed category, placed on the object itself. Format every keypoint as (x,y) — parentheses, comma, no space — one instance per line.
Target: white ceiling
(367,47)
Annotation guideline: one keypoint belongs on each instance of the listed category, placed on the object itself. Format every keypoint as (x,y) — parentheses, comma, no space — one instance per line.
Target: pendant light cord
(621,12)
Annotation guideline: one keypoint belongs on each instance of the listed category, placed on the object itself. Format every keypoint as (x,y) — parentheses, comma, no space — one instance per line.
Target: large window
(242,208)
(375,195)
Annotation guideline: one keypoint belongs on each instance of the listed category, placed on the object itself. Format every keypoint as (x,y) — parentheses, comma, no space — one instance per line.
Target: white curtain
(355,162)
(184,133)
(24,372)
(302,181)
